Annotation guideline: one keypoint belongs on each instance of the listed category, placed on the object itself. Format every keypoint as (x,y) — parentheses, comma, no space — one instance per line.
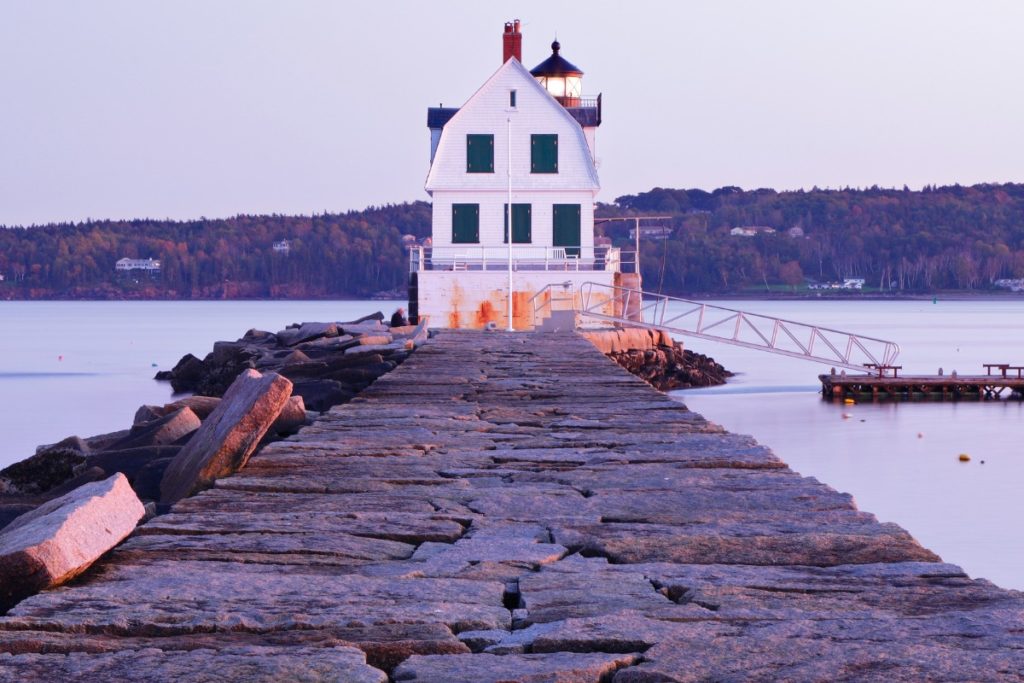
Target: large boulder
(307,332)
(61,538)
(185,375)
(357,329)
(163,431)
(228,437)
(292,416)
(130,461)
(202,406)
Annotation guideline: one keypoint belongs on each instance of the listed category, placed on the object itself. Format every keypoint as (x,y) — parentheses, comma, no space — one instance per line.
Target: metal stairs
(684,317)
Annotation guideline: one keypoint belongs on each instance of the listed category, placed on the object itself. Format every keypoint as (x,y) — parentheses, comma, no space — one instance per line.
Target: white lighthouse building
(528,135)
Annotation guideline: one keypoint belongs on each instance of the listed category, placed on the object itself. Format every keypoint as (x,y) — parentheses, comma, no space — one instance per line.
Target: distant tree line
(951,237)
(355,254)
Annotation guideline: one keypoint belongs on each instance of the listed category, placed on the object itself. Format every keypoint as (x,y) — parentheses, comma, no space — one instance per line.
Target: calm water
(84,367)
(969,513)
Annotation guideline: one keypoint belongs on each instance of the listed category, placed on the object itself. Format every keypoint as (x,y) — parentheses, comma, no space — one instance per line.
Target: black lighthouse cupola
(560,77)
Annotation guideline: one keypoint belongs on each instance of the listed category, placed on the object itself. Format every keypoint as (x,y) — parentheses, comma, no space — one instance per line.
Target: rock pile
(328,363)
(668,368)
(324,363)
(652,356)
(177,449)
(141,453)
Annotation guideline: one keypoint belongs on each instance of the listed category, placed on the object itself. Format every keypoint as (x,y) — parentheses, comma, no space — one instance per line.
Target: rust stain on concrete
(522,310)
(485,313)
(454,321)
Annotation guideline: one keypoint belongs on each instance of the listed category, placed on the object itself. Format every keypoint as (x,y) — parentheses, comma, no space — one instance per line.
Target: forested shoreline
(898,240)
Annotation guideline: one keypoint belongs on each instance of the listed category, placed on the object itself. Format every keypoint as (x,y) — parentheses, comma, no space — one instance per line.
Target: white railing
(635,308)
(524,258)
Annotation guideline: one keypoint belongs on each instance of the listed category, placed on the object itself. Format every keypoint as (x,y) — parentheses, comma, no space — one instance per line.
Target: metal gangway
(635,308)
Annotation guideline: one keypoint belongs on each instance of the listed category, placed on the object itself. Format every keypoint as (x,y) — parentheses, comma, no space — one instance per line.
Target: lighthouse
(513,179)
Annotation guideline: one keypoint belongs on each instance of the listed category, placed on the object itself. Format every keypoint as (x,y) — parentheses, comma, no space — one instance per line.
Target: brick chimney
(512,42)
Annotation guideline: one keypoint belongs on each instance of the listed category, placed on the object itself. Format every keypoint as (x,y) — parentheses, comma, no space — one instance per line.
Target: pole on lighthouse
(508,223)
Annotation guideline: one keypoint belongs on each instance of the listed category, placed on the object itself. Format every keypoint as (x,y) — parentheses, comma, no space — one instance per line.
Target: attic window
(512,98)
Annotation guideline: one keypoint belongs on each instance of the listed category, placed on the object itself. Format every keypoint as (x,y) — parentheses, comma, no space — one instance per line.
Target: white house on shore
(526,134)
(751,230)
(145,264)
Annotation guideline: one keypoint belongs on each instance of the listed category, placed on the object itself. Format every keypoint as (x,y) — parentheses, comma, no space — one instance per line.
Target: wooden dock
(892,386)
(512,507)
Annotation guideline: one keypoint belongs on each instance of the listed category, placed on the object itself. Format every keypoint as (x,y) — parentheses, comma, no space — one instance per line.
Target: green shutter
(566,228)
(522,222)
(544,153)
(465,223)
(479,153)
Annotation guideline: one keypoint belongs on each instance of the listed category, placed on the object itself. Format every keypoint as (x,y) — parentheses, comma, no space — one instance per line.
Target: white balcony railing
(524,258)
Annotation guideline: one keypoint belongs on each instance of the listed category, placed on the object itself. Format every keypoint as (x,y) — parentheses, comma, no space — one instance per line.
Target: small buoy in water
(964,457)
(849,401)
(60,358)
(152,365)
(982,462)
(847,416)
(920,435)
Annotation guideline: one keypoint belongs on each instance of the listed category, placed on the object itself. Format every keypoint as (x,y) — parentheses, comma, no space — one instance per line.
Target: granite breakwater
(515,507)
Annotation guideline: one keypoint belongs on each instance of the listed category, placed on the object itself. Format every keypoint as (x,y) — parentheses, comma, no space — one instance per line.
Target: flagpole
(508,223)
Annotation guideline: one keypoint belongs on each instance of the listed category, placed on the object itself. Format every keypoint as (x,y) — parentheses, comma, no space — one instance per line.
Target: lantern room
(562,79)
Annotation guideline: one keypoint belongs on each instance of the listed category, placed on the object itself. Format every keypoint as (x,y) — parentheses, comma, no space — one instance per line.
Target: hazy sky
(139,108)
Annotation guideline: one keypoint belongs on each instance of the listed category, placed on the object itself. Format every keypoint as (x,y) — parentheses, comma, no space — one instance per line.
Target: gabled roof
(529,81)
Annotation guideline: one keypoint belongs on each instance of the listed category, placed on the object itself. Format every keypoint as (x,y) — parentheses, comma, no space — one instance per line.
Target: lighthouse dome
(560,77)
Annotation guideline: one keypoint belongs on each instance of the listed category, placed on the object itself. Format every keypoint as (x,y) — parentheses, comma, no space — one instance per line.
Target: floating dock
(1002,381)
(513,507)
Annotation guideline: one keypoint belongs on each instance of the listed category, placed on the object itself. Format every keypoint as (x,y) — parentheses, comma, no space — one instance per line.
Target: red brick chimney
(512,42)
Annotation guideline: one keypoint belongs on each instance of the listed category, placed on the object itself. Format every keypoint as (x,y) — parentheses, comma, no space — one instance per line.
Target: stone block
(61,538)
(229,436)
(162,431)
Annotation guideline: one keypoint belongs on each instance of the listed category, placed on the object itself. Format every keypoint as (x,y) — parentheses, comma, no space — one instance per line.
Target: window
(465,223)
(512,98)
(521,223)
(566,228)
(544,153)
(479,153)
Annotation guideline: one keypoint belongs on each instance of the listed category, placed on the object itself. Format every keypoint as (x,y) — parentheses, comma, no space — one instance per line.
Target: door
(566,228)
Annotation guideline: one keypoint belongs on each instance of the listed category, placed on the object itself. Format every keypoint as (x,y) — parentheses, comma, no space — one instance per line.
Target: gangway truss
(726,325)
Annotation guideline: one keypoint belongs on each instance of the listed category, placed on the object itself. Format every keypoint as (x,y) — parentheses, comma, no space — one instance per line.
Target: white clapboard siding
(492,219)
(536,112)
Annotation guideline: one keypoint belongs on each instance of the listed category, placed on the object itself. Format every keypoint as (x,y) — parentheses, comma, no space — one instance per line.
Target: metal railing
(739,328)
(549,295)
(524,258)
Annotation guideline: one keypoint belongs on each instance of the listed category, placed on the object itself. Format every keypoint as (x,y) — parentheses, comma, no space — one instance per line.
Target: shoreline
(953,295)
